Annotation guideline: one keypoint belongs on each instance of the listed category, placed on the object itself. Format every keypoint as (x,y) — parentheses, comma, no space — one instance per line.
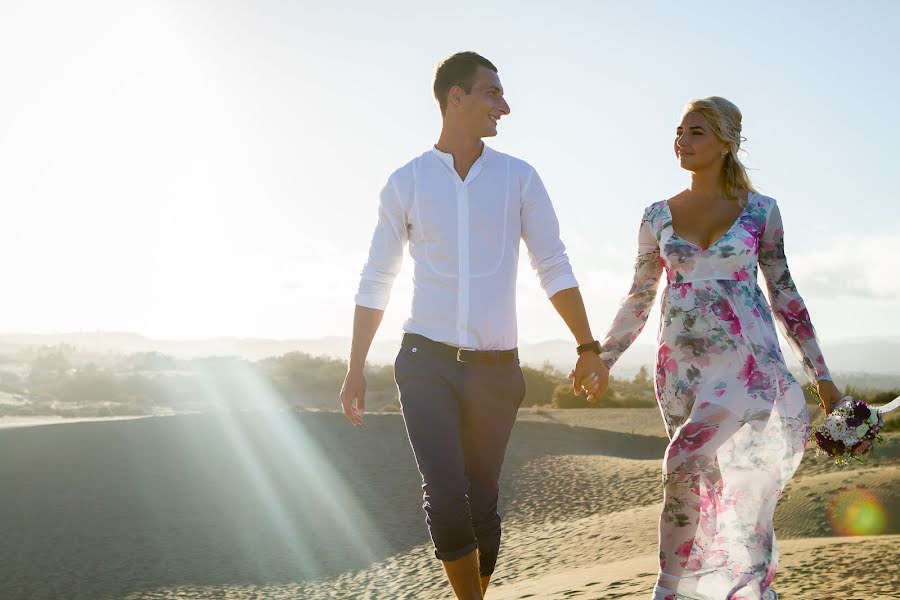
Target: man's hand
(829,394)
(353,396)
(590,375)
(353,392)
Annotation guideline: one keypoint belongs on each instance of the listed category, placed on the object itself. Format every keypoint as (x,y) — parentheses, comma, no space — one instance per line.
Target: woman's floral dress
(735,416)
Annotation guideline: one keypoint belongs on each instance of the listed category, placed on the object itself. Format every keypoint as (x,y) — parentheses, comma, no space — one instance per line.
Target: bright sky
(190,169)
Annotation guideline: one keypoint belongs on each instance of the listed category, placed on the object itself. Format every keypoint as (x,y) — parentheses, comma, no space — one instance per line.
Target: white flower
(836,429)
(862,430)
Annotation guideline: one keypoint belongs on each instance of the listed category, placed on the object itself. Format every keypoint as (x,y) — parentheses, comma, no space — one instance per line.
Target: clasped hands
(590,376)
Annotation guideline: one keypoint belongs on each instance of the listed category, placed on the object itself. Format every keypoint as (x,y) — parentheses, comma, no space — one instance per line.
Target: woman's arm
(790,311)
(635,307)
(788,307)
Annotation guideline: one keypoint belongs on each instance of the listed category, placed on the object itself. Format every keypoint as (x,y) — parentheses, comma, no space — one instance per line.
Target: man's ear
(454,96)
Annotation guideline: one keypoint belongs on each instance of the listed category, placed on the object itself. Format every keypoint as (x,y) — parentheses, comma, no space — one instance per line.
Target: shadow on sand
(101,510)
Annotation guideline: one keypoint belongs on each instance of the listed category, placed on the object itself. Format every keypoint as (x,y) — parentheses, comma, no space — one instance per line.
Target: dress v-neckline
(722,237)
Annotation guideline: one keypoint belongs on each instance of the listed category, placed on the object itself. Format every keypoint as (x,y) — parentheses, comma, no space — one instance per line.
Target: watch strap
(589,347)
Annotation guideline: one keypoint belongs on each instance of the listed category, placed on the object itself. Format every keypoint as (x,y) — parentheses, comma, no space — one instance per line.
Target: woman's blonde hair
(725,120)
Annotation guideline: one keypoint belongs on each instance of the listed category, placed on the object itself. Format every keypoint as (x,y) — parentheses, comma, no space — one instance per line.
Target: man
(462,208)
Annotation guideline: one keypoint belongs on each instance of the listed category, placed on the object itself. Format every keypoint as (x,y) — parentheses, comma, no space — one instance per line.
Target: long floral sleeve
(787,306)
(635,307)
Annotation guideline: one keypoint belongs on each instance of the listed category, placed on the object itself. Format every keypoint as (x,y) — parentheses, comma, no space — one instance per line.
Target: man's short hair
(459,70)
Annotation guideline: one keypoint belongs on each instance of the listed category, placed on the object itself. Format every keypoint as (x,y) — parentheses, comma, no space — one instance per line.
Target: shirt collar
(447,158)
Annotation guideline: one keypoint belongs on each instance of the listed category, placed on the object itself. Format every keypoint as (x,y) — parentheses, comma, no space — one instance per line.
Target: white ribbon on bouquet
(895,403)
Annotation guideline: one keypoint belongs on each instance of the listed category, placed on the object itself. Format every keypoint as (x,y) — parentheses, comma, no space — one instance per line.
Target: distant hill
(861,356)
(127,343)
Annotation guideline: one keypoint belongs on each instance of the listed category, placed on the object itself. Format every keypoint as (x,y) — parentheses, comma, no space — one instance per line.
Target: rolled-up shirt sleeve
(385,251)
(540,230)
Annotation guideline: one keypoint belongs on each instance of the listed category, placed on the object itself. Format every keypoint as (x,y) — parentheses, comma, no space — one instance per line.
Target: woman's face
(696,147)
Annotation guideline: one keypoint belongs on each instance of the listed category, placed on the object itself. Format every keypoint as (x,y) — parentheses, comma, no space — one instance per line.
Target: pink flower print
(665,364)
(697,434)
(684,550)
(664,353)
(749,367)
(691,437)
(804,332)
(770,576)
(752,242)
(753,226)
(757,381)
(694,563)
(797,318)
(720,391)
(742,274)
(690,560)
(722,309)
(708,511)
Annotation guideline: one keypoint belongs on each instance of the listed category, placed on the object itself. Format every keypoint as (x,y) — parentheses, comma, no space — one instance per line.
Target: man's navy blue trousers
(459,416)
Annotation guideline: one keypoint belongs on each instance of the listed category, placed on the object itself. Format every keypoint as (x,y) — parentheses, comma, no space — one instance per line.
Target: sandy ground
(9,422)
(304,506)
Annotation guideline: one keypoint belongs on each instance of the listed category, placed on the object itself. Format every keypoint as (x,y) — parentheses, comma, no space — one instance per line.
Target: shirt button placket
(462,299)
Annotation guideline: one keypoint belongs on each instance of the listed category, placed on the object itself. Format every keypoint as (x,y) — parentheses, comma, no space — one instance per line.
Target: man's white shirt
(464,241)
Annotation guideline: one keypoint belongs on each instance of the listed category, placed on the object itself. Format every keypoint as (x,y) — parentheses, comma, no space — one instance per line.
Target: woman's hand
(595,383)
(829,394)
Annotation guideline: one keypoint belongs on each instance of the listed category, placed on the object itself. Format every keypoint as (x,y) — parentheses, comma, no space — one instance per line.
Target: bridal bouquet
(851,429)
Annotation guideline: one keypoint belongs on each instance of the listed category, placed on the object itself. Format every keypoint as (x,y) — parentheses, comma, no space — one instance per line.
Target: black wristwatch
(589,347)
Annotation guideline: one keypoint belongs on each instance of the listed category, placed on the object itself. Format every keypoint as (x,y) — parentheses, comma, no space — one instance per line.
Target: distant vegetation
(59,380)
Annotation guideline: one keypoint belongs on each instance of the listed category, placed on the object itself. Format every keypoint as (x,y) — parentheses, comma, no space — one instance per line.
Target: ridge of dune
(811,569)
(803,510)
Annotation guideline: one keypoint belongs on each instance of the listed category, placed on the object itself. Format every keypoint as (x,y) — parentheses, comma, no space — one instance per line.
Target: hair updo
(725,120)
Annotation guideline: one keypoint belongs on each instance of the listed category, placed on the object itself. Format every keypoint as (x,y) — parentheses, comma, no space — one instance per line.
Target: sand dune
(805,566)
(287,505)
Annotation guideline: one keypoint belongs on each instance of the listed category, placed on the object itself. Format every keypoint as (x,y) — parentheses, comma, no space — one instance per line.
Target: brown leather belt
(462,354)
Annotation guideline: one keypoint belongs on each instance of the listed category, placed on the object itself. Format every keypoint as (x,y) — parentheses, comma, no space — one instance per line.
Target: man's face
(481,109)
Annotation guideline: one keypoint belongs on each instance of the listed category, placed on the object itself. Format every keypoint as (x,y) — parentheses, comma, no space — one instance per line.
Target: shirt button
(415,349)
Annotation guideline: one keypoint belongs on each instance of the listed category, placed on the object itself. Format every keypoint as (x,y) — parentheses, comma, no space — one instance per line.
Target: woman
(735,416)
